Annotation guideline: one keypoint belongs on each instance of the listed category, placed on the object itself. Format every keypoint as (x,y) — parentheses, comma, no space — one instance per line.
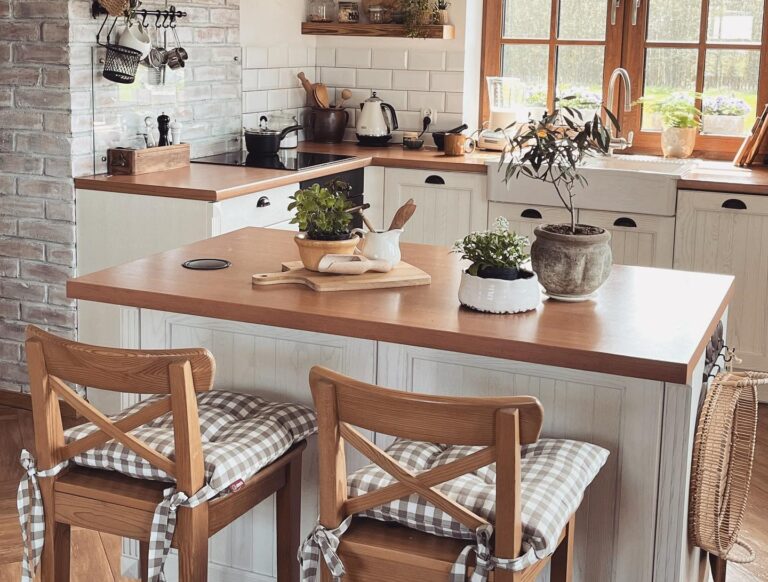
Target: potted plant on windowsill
(571,260)
(323,217)
(496,281)
(680,122)
(724,115)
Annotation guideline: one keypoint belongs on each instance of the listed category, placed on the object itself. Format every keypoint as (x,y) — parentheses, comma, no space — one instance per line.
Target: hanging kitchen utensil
(115,7)
(177,57)
(120,62)
(320,92)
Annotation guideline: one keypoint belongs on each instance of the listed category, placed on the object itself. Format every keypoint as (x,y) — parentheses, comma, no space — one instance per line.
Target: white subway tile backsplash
(288,79)
(278,56)
(277,99)
(450,81)
(297,97)
(256,57)
(250,79)
(358,96)
(447,121)
(334,77)
(410,120)
(454,102)
(374,79)
(420,60)
(356,59)
(390,59)
(411,80)
(420,100)
(269,78)
(454,61)
(325,57)
(255,101)
(397,99)
(297,56)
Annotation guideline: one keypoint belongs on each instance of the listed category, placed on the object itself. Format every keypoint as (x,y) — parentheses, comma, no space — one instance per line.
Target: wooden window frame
(625,46)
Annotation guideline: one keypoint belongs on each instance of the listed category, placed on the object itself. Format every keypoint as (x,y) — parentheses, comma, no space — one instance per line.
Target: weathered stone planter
(571,267)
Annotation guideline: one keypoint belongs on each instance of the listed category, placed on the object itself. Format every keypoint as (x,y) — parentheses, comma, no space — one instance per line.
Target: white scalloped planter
(499,295)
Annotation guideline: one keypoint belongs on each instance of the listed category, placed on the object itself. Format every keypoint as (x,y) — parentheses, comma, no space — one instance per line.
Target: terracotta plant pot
(312,251)
(571,267)
(678,142)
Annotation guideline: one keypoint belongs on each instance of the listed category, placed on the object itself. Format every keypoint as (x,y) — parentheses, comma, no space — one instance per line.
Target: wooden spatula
(308,88)
(403,215)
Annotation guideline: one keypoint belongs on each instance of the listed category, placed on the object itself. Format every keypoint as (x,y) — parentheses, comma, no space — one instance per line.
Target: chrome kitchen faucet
(620,143)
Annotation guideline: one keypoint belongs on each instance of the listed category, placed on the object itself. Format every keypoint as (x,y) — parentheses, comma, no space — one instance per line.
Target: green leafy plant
(442,4)
(498,248)
(413,12)
(677,110)
(553,148)
(321,211)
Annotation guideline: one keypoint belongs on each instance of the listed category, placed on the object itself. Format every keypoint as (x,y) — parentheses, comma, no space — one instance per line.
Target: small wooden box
(130,162)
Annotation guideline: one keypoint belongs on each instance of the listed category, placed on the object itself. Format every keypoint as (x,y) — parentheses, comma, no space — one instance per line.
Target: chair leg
(54,563)
(289,523)
(562,559)
(144,561)
(718,566)
(192,539)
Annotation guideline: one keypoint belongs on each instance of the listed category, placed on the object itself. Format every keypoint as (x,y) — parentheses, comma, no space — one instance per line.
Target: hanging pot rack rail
(168,16)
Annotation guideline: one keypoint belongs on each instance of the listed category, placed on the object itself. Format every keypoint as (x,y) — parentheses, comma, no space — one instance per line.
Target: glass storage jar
(349,12)
(322,10)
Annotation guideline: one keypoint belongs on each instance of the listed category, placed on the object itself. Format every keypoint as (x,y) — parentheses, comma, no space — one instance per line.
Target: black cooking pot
(266,141)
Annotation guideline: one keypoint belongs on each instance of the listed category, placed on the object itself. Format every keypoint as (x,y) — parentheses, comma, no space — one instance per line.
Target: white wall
(272,22)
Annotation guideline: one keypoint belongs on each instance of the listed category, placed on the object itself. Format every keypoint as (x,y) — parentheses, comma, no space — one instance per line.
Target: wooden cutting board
(403,275)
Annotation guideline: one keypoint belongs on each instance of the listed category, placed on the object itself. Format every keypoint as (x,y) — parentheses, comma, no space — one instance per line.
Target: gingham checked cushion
(555,473)
(241,434)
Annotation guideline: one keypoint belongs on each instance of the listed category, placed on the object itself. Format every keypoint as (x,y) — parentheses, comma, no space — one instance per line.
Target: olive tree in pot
(496,281)
(571,260)
(323,218)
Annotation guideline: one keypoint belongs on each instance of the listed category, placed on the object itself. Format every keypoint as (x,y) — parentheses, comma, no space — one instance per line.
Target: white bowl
(499,295)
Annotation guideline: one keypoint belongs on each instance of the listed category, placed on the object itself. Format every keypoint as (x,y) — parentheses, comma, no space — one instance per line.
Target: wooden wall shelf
(444,31)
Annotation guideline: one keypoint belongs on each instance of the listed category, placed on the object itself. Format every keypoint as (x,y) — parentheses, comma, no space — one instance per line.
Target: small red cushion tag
(236,486)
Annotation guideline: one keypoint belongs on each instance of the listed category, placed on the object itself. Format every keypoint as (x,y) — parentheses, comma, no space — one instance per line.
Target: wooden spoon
(346,95)
(321,95)
(352,265)
(403,215)
(308,88)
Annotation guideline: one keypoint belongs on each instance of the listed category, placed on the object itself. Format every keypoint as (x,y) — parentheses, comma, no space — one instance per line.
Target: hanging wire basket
(115,7)
(120,62)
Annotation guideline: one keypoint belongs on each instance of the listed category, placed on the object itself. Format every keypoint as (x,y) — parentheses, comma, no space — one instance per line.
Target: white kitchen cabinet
(449,204)
(644,240)
(374,195)
(524,218)
(728,233)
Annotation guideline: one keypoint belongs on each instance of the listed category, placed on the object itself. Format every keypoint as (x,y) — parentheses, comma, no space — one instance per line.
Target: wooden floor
(96,557)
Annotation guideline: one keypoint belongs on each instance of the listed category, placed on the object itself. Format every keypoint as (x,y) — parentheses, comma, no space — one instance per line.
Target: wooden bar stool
(492,498)
(179,434)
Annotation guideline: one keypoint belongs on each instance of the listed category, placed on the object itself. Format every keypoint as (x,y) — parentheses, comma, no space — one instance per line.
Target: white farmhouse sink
(642,184)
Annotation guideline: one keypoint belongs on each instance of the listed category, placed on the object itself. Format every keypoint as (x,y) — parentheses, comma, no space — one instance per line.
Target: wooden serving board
(403,275)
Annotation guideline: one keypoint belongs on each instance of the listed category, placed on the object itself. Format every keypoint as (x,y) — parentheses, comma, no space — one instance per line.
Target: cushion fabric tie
(164,524)
(322,542)
(485,561)
(29,504)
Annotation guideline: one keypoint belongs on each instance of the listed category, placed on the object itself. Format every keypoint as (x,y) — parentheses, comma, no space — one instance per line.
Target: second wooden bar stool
(226,452)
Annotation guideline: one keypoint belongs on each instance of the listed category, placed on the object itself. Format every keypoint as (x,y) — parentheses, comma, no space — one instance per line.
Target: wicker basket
(115,7)
(723,453)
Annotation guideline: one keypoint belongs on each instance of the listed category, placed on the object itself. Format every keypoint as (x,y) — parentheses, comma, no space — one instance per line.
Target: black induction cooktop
(283,160)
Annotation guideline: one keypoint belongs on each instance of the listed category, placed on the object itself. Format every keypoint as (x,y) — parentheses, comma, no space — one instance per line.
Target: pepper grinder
(163,125)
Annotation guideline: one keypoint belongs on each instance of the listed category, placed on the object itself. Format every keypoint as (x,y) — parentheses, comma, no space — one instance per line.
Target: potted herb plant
(680,122)
(497,281)
(323,218)
(571,260)
(724,115)
(440,10)
(416,16)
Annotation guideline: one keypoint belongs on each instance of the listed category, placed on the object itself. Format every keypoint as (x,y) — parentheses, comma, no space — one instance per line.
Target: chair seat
(241,434)
(555,473)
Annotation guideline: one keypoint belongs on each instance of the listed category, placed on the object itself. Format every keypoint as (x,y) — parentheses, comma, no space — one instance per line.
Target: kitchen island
(623,371)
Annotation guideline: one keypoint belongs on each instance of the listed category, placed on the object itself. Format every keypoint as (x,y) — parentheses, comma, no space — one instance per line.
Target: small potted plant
(587,102)
(416,16)
(571,260)
(680,122)
(323,218)
(440,10)
(496,281)
(724,115)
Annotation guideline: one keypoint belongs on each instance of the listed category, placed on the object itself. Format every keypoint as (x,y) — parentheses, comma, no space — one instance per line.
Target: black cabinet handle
(263,202)
(530,213)
(434,180)
(734,204)
(625,222)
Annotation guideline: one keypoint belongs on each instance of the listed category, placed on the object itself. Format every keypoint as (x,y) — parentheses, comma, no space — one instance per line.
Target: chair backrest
(499,425)
(179,374)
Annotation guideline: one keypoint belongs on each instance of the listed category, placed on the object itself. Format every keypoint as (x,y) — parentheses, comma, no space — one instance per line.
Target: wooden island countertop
(643,323)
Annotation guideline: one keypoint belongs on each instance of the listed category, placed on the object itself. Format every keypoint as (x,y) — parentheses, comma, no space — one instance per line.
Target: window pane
(667,71)
(580,75)
(730,91)
(582,19)
(529,63)
(674,20)
(526,18)
(735,20)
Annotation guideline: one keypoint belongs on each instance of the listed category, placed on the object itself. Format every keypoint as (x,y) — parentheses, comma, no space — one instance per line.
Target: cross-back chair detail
(499,425)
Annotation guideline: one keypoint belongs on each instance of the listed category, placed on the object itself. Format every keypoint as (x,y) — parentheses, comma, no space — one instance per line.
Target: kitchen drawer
(258,209)
(524,218)
(636,239)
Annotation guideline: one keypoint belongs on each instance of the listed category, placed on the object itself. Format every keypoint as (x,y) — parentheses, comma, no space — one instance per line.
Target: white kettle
(373,125)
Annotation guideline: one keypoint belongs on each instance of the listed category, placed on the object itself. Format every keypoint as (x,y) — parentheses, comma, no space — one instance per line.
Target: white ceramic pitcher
(380,245)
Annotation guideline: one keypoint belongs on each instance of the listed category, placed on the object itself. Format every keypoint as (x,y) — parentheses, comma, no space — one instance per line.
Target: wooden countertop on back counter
(725,177)
(213,183)
(644,323)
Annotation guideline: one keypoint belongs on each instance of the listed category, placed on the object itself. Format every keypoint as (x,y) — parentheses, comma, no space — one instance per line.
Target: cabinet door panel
(524,218)
(727,233)
(449,204)
(636,239)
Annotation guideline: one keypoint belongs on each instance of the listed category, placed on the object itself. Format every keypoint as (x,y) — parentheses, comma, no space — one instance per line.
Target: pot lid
(262,129)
